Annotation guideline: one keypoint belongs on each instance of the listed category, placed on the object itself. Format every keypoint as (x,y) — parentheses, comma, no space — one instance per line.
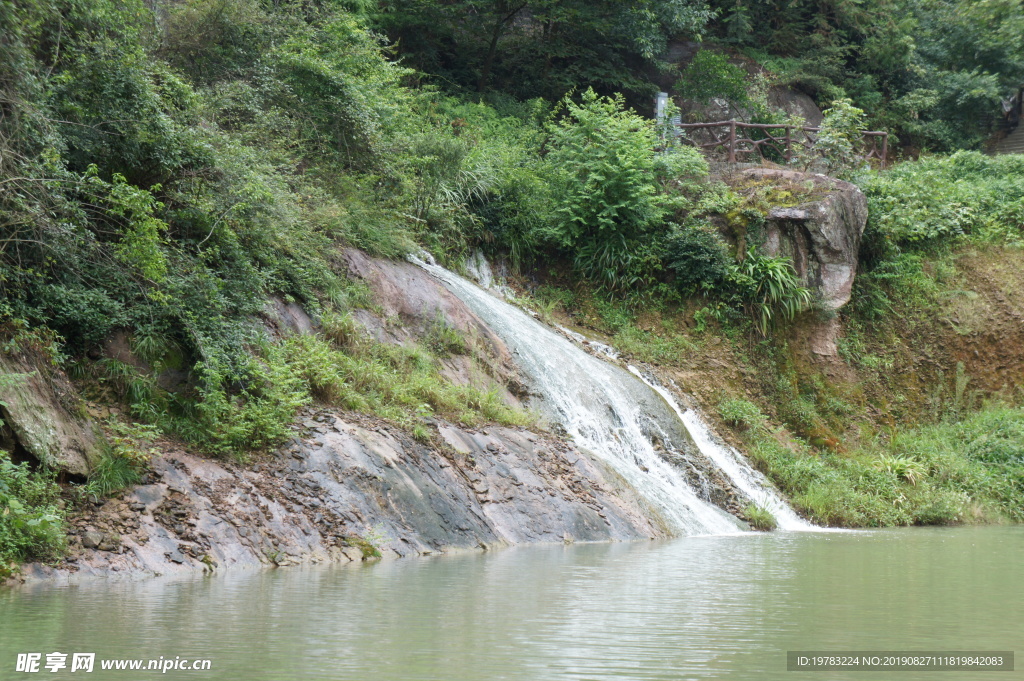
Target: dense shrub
(31,522)
(711,75)
(699,259)
(925,203)
(614,191)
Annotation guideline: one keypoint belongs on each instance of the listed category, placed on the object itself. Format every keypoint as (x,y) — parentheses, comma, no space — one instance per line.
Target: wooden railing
(771,142)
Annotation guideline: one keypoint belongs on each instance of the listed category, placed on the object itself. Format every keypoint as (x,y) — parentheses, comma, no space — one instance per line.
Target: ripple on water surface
(692,608)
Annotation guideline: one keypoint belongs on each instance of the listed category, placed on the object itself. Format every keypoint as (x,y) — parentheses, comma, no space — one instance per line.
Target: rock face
(795,104)
(38,412)
(282,317)
(346,482)
(407,293)
(409,303)
(347,485)
(822,236)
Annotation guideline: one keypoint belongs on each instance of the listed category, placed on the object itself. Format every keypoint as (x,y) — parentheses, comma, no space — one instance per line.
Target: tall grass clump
(760,518)
(971,470)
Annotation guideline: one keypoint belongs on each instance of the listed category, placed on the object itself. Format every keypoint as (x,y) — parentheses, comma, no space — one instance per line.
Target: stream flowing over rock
(348,487)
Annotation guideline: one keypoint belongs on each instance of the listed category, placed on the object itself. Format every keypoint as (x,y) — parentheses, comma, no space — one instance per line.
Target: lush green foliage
(538,47)
(129,450)
(741,414)
(925,203)
(711,75)
(339,367)
(169,180)
(31,522)
(699,258)
(401,383)
(951,472)
(933,72)
(167,176)
(612,211)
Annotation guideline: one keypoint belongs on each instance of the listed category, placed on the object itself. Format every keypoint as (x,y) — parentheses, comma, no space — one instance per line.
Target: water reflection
(692,608)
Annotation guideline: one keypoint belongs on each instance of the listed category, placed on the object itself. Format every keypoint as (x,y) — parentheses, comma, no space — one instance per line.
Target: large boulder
(795,103)
(821,236)
(40,409)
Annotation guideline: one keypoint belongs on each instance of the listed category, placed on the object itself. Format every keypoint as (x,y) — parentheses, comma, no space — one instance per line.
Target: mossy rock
(43,412)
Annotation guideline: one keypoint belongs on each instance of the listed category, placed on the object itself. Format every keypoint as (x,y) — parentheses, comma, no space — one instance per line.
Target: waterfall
(622,418)
(750,481)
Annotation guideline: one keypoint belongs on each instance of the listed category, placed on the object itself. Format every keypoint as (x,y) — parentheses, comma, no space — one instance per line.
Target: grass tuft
(760,518)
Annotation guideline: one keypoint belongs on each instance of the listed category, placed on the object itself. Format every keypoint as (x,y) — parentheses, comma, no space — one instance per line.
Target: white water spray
(617,416)
(750,481)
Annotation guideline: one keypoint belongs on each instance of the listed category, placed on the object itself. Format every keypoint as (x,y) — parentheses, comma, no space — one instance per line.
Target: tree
(538,47)
(610,182)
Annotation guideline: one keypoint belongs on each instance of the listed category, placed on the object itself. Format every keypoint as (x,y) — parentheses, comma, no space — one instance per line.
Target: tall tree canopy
(539,47)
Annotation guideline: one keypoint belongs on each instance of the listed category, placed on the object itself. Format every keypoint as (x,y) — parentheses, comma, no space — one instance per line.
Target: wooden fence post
(732,141)
(789,146)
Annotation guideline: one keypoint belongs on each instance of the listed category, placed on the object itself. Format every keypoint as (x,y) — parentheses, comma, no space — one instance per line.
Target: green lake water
(691,608)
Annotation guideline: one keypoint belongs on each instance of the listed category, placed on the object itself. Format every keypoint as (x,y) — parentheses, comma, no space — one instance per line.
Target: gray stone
(795,104)
(820,237)
(92,539)
(287,318)
(109,542)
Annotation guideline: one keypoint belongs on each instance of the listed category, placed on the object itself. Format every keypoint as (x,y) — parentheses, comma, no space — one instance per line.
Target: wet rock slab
(344,483)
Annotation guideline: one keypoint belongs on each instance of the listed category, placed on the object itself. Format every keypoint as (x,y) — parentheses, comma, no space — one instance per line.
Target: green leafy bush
(399,383)
(31,521)
(611,207)
(235,421)
(923,204)
(699,259)
(839,139)
(711,75)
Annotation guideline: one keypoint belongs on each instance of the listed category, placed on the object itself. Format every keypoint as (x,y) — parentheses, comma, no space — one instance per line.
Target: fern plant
(771,290)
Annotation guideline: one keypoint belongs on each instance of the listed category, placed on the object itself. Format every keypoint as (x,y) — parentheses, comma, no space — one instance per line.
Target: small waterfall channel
(750,481)
(625,419)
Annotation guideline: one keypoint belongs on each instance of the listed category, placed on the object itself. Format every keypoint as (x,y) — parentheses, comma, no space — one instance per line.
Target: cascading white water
(750,481)
(617,416)
(607,411)
(742,475)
